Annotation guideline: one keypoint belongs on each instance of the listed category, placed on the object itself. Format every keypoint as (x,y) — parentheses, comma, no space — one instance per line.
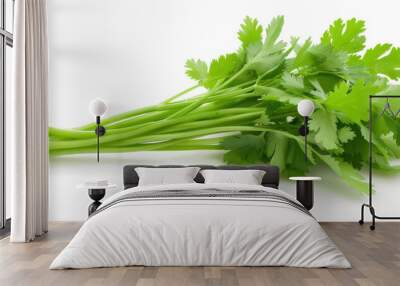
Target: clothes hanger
(388,109)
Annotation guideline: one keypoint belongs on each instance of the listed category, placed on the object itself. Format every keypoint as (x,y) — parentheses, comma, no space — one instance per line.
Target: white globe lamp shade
(97,107)
(305,107)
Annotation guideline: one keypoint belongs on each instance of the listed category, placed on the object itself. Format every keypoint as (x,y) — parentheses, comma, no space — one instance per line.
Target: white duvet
(212,231)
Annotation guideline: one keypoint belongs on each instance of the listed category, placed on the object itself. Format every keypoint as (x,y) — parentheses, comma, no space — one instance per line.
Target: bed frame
(270,179)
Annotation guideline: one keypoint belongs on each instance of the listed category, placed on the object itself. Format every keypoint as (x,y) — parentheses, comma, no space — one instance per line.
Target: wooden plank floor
(375,257)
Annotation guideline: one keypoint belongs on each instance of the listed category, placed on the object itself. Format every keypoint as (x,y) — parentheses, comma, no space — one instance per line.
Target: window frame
(6,39)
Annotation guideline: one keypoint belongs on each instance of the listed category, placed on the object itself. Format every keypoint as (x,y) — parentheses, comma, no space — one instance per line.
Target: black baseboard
(5,231)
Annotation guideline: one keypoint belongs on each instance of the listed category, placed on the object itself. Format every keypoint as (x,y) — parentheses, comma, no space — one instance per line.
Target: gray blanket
(211,193)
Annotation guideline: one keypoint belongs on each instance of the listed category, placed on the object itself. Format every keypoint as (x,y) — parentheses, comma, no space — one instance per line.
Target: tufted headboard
(271,177)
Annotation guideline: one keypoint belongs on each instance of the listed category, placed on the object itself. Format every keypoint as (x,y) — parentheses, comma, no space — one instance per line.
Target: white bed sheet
(189,232)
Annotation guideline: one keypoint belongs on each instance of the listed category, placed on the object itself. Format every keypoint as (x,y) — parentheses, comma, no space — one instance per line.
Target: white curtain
(27,151)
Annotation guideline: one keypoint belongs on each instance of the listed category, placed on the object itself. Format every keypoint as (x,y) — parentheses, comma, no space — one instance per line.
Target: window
(6,43)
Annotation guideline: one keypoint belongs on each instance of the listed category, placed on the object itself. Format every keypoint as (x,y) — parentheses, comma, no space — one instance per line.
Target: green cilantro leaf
(276,147)
(326,66)
(351,176)
(293,82)
(262,59)
(286,153)
(263,120)
(345,37)
(378,144)
(295,163)
(196,69)
(345,134)
(394,126)
(352,103)
(250,32)
(355,152)
(325,59)
(318,90)
(222,68)
(302,55)
(323,123)
(244,149)
(267,57)
(273,31)
(276,94)
(356,69)
(383,59)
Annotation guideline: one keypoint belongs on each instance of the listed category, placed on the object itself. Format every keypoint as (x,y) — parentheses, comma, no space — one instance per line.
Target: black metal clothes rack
(386,109)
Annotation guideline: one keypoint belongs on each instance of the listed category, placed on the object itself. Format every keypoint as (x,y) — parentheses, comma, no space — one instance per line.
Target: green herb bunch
(246,104)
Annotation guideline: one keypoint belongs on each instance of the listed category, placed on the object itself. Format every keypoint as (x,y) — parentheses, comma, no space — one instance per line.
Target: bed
(198,224)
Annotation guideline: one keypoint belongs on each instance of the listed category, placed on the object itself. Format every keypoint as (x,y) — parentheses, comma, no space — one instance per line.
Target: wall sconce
(97,107)
(305,108)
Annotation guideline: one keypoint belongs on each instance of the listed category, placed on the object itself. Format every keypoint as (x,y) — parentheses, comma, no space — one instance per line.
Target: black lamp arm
(303,130)
(100,131)
(305,137)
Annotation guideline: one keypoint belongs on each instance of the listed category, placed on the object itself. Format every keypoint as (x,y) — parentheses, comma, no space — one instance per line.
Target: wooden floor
(375,257)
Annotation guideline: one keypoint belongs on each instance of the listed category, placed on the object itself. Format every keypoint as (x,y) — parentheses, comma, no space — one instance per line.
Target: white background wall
(132,54)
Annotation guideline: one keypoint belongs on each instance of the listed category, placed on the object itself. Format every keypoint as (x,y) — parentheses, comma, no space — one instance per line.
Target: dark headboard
(271,177)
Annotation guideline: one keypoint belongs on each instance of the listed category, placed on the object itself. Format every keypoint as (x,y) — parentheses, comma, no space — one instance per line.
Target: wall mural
(254,92)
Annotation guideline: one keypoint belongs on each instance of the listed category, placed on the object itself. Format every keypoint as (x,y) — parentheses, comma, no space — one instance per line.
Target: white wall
(132,54)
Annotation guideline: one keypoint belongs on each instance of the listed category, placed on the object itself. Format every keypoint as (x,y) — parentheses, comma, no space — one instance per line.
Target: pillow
(165,176)
(247,177)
